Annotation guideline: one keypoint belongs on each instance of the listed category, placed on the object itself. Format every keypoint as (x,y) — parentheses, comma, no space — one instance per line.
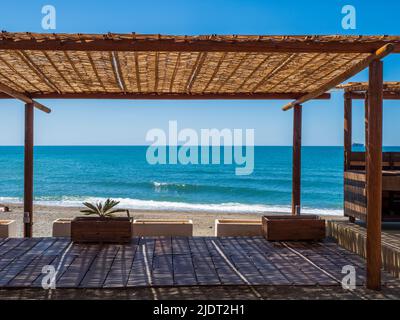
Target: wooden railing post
(374,175)
(28,170)
(296,165)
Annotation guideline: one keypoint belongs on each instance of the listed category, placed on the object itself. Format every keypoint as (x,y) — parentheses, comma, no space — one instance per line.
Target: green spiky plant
(103,210)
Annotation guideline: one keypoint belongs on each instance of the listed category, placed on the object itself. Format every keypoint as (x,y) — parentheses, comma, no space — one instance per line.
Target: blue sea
(69,175)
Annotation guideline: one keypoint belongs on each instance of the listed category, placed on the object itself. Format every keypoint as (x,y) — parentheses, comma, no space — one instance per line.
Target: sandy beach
(45,215)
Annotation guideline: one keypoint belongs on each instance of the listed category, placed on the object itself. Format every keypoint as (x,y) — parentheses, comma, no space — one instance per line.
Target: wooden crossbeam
(388,95)
(173,96)
(10,92)
(379,54)
(198,44)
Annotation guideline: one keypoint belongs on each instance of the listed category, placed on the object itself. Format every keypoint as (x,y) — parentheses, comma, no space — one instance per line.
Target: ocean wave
(152,205)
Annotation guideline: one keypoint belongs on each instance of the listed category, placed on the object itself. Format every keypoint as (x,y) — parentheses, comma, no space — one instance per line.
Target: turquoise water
(70,175)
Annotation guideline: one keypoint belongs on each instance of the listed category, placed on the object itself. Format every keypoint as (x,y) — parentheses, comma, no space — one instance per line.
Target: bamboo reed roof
(362,87)
(143,66)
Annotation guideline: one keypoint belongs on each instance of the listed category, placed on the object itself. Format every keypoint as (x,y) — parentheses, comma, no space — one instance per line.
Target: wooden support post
(347,131)
(28,170)
(366,123)
(296,169)
(374,175)
(348,106)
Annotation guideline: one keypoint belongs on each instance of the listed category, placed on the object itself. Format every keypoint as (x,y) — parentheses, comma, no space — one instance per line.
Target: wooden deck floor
(165,261)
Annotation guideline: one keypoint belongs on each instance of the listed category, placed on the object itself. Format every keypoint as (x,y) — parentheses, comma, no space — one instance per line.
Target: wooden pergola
(133,66)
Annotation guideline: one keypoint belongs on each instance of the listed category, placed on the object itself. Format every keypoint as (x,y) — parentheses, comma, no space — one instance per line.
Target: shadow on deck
(195,268)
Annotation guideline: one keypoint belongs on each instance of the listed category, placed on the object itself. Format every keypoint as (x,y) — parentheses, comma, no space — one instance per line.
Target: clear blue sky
(126,122)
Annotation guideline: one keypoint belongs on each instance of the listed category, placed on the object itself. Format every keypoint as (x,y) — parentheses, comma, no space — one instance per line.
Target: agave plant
(103,210)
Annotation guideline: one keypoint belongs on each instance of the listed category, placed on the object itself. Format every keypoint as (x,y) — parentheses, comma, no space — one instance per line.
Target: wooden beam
(379,54)
(173,96)
(28,170)
(347,131)
(294,44)
(366,103)
(374,176)
(296,165)
(394,95)
(10,92)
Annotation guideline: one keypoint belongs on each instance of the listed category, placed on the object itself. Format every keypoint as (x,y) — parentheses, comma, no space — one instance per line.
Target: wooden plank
(202,262)
(78,268)
(100,267)
(65,253)
(10,92)
(296,163)
(33,270)
(348,73)
(243,262)
(374,175)
(10,243)
(141,271)
(122,265)
(183,268)
(296,269)
(13,249)
(272,275)
(19,260)
(222,262)
(162,268)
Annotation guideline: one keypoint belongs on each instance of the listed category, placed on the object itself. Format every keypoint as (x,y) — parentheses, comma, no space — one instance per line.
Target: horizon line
(145,145)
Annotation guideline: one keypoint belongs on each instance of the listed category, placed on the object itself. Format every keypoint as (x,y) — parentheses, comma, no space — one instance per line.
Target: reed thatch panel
(83,70)
(301,68)
(248,65)
(388,86)
(40,64)
(12,79)
(183,71)
(177,72)
(112,63)
(128,69)
(12,64)
(261,71)
(282,71)
(207,72)
(84,74)
(65,73)
(222,81)
(334,64)
(105,71)
(5,79)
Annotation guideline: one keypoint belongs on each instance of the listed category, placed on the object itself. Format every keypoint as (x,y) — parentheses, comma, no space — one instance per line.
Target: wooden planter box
(8,229)
(94,229)
(286,227)
(238,227)
(62,227)
(161,227)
